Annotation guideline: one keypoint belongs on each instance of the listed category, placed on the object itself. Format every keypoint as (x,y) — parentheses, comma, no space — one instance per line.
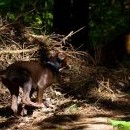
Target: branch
(18,51)
(71,34)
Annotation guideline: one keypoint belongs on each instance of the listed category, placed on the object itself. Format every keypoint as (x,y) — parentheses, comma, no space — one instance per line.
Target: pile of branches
(21,43)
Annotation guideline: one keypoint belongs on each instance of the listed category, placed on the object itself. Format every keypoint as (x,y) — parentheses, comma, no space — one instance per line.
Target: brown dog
(32,75)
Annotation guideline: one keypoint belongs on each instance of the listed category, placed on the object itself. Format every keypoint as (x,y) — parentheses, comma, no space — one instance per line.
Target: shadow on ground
(120,105)
(8,123)
(60,122)
(6,112)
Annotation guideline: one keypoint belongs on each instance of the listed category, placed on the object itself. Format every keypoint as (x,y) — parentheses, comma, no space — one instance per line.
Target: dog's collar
(54,66)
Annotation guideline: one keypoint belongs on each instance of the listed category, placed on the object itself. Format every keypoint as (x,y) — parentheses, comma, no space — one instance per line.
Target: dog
(32,76)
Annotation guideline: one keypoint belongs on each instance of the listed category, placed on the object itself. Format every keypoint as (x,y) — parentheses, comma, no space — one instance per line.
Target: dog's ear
(52,53)
(61,55)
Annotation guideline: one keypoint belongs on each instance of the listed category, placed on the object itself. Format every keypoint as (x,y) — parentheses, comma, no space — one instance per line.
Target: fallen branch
(19,51)
(71,34)
(105,86)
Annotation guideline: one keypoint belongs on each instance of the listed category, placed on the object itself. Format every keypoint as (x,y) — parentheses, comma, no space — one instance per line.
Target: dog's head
(59,59)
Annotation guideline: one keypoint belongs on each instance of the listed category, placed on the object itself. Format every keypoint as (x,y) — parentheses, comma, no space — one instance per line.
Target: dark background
(106,22)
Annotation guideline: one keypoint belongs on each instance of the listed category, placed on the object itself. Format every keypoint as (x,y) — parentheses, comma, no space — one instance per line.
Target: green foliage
(59,128)
(73,108)
(121,125)
(106,20)
(28,12)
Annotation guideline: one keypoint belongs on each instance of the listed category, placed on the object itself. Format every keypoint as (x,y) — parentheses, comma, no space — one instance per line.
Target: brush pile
(21,43)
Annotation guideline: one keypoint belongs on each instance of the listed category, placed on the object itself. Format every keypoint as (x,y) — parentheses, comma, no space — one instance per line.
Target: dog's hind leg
(14,94)
(27,87)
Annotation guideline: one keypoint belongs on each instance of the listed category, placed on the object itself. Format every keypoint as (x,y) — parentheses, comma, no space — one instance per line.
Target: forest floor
(66,112)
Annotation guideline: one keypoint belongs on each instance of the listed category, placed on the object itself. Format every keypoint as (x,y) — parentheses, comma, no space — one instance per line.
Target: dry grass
(15,52)
(22,44)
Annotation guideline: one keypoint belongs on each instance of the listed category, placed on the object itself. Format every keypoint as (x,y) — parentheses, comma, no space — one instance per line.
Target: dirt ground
(91,112)
(85,116)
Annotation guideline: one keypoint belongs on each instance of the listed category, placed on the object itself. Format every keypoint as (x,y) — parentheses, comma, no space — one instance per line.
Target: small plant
(72,109)
(121,125)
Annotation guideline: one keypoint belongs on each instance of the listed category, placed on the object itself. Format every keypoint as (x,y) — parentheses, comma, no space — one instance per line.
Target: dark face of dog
(59,59)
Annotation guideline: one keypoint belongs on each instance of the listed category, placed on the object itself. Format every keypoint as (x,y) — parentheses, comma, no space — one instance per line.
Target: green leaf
(59,128)
(121,125)
(39,21)
(72,109)
(2,3)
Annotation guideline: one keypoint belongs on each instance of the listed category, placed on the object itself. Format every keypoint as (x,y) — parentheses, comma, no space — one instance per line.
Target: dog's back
(23,70)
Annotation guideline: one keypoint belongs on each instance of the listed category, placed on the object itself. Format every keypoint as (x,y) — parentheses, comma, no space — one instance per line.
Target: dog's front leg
(40,94)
